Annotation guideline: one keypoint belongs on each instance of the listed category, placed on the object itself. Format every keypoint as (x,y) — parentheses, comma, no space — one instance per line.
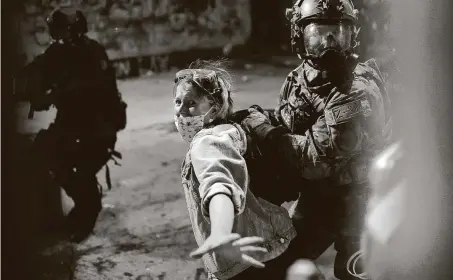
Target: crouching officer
(74,74)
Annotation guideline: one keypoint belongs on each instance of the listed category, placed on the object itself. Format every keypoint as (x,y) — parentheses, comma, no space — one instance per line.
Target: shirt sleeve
(220,167)
(35,78)
(285,89)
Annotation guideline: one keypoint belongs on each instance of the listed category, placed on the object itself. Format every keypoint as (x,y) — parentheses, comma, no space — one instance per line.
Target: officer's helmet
(66,25)
(318,25)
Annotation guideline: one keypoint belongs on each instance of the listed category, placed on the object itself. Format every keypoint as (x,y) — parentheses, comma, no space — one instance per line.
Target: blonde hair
(212,81)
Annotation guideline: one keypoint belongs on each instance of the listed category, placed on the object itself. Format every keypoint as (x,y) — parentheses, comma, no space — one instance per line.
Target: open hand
(232,247)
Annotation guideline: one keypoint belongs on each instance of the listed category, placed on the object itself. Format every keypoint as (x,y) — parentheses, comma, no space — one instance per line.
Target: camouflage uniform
(326,132)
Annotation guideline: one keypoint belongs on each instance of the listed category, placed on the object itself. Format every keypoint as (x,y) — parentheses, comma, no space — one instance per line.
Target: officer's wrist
(266,132)
(276,133)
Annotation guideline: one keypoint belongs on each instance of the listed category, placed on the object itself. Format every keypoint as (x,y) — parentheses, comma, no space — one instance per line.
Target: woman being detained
(228,220)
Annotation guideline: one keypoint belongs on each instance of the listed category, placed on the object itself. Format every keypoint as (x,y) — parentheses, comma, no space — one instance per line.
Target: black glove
(257,108)
(256,117)
(269,113)
(239,116)
(43,102)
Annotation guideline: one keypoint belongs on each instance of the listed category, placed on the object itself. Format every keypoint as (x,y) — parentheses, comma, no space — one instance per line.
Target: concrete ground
(144,228)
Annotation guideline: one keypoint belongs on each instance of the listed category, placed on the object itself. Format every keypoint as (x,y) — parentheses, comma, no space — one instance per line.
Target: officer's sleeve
(36,77)
(351,124)
(108,71)
(42,64)
(111,98)
(283,97)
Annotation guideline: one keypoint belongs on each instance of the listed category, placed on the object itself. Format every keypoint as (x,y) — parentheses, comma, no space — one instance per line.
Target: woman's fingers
(198,253)
(252,249)
(245,241)
(227,239)
(251,261)
(212,243)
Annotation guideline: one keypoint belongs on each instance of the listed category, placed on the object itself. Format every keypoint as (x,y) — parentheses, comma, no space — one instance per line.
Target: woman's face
(188,103)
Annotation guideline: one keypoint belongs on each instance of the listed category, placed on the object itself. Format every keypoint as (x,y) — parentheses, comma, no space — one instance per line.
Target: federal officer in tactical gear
(332,117)
(74,74)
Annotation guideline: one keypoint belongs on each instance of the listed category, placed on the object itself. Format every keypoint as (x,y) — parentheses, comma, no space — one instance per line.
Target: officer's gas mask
(327,45)
(324,32)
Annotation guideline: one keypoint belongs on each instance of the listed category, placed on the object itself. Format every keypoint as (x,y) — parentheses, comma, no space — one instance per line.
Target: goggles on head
(205,79)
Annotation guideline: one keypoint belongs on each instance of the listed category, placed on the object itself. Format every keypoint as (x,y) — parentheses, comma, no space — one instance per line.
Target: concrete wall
(136,28)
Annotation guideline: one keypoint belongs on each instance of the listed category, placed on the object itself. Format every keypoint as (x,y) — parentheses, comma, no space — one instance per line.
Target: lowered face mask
(188,127)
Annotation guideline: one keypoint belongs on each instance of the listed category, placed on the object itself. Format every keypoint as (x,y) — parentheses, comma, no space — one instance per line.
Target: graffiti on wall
(142,65)
(134,28)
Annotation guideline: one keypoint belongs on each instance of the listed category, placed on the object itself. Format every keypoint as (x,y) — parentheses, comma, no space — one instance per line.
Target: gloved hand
(256,117)
(257,108)
(269,113)
(43,103)
(239,116)
(256,121)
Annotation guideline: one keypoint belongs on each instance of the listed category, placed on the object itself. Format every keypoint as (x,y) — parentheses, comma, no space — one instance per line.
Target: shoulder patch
(344,113)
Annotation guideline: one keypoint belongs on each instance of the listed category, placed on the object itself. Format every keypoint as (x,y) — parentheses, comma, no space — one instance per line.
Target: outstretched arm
(221,212)
(223,177)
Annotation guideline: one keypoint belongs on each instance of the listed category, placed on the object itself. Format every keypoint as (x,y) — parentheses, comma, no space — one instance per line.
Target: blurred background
(144,228)
(137,31)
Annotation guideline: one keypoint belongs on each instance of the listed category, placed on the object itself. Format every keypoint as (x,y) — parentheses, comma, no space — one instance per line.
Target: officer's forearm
(268,134)
(275,143)
(30,81)
(272,143)
(40,63)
